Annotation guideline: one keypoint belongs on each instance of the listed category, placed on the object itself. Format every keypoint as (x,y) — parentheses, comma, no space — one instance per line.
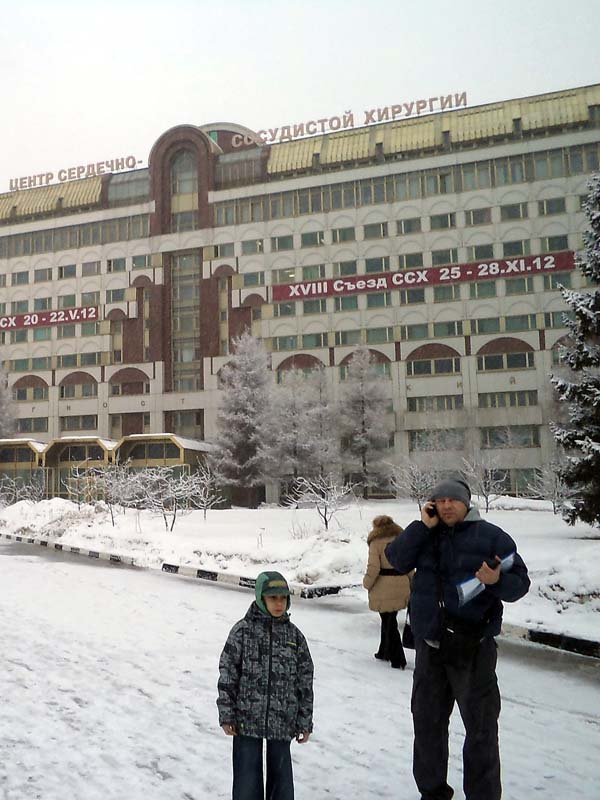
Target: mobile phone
(431,512)
(492,563)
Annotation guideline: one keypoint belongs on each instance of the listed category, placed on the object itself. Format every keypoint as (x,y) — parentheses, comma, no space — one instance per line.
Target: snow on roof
(33,443)
(108,444)
(187,444)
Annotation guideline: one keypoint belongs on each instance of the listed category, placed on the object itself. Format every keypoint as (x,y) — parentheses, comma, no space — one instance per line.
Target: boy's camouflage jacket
(266,678)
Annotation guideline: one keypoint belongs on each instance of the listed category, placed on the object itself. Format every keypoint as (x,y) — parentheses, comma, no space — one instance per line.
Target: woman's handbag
(408,640)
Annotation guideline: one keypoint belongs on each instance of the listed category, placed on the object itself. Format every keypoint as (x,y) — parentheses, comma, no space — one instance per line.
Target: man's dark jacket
(462,549)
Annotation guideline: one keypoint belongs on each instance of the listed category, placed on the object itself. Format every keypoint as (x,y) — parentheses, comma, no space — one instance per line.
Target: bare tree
(411,479)
(548,484)
(202,488)
(325,494)
(484,475)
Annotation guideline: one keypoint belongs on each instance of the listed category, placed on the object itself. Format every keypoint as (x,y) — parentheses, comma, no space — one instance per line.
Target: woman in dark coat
(389,591)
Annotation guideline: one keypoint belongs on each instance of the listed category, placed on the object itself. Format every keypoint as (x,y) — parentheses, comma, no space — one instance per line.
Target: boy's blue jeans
(248,769)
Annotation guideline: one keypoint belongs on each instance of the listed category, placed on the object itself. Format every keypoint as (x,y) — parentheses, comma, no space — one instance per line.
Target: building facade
(440,242)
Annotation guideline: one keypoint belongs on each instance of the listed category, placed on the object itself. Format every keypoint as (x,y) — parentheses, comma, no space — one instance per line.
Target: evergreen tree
(580,436)
(7,412)
(242,415)
(364,424)
(323,425)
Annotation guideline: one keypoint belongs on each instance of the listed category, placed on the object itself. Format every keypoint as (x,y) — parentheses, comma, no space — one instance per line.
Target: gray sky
(84,82)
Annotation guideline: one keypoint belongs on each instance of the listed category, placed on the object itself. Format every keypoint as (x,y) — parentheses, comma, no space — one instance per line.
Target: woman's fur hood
(384,527)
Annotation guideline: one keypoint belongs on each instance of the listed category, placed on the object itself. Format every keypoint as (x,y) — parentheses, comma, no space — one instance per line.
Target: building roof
(186,444)
(50,199)
(35,445)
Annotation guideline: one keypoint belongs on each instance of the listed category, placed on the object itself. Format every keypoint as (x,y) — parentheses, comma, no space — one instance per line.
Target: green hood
(270,583)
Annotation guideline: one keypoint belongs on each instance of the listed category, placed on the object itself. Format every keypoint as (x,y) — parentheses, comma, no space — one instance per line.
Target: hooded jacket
(266,678)
(462,549)
(386,592)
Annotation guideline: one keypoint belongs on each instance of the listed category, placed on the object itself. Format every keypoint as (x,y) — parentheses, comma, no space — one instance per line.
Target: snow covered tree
(411,479)
(548,484)
(322,423)
(580,436)
(242,416)
(7,411)
(483,474)
(202,487)
(364,421)
(326,494)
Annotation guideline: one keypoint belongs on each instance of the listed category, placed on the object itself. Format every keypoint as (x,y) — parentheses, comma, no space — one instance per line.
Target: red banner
(38,319)
(427,276)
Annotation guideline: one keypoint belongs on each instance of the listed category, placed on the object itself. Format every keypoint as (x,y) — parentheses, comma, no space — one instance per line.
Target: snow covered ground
(109,674)
(563,561)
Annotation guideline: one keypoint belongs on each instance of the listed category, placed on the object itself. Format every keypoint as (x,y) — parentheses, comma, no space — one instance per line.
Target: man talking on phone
(465,569)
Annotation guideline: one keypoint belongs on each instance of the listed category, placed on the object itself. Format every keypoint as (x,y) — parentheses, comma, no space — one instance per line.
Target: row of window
(455,402)
(416,185)
(88,268)
(492,438)
(65,301)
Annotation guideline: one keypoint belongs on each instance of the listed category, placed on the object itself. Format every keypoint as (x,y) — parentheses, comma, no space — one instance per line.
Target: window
(20,306)
(513,211)
(141,262)
(254,278)
(90,298)
(279,243)
(346,303)
(379,299)
(252,246)
(41,275)
(501,361)
(478,216)
(446,293)
(433,366)
(18,337)
(555,205)
(379,264)
(318,306)
(376,230)
(380,335)
(548,165)
(442,221)
(19,278)
(343,235)
(312,239)
(184,221)
(516,248)
(556,280)
(453,328)
(411,225)
(519,285)
(90,328)
(510,436)
(509,170)
(285,343)
(68,360)
(310,340)
(224,250)
(449,256)
(115,265)
(476,176)
(410,260)
(551,244)
(67,301)
(284,309)
(483,289)
(480,252)
(347,337)
(416,331)
(486,325)
(436,440)
(90,359)
(184,175)
(42,304)
(66,332)
(42,334)
(444,402)
(342,268)
(408,296)
(32,425)
(83,422)
(285,275)
(313,273)
(520,322)
(507,399)
(556,319)
(115,295)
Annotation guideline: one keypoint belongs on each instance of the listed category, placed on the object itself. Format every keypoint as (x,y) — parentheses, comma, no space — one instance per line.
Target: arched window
(184,174)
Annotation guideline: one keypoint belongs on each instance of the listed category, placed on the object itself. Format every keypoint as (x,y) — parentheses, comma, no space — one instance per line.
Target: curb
(559,641)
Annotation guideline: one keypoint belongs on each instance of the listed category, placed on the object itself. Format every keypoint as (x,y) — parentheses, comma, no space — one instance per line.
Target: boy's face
(276,604)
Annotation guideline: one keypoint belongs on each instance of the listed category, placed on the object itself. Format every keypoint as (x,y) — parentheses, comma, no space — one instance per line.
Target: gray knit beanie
(454,489)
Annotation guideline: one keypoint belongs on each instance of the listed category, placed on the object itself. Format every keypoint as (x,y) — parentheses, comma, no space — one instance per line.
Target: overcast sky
(84,82)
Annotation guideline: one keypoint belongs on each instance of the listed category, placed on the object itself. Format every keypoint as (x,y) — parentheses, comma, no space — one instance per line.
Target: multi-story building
(439,242)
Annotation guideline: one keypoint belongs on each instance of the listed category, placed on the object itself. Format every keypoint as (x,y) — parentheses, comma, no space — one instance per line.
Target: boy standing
(265,692)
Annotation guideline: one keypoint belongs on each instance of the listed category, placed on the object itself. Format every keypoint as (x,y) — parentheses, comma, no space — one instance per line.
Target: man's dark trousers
(248,769)
(473,685)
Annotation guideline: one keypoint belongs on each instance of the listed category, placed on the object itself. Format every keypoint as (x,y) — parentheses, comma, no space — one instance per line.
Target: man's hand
(488,576)
(302,737)
(431,522)
(230,730)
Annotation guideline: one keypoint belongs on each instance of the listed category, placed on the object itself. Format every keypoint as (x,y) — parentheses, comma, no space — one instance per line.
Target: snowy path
(108,687)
